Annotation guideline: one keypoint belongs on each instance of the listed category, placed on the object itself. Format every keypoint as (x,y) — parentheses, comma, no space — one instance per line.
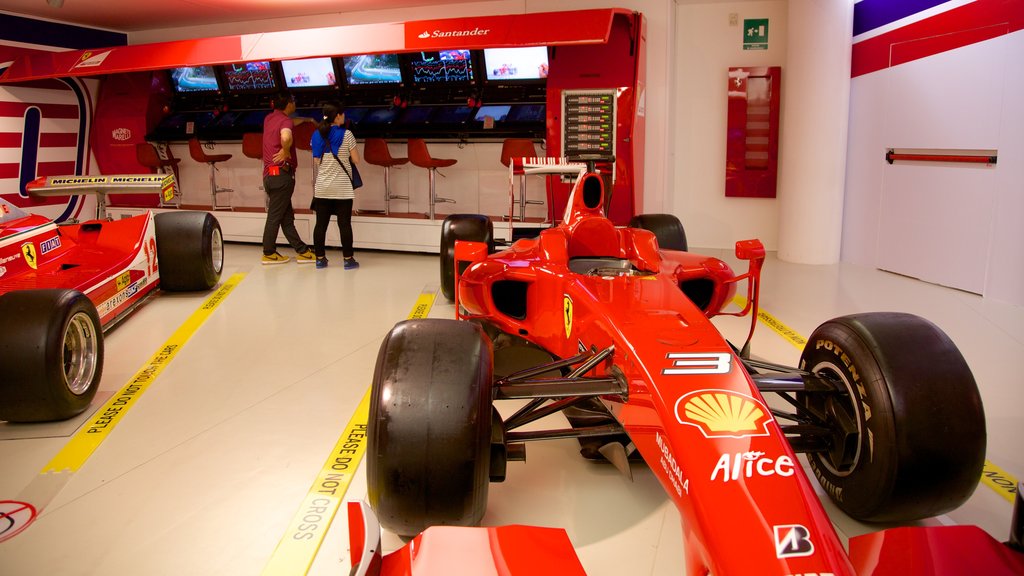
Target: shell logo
(723,414)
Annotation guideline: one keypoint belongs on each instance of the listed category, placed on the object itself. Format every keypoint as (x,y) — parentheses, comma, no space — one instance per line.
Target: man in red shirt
(279,164)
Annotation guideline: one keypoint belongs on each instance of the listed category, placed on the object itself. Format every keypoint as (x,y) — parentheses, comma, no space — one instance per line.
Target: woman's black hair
(330,112)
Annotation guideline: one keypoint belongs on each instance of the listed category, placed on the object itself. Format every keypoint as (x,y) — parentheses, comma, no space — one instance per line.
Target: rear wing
(162,184)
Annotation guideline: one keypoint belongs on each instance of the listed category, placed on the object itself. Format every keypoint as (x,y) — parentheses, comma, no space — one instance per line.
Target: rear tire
(51,355)
(475,227)
(190,250)
(915,427)
(666,228)
(429,434)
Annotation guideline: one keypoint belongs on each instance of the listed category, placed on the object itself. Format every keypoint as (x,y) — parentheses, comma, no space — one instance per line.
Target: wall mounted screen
(530,63)
(308,73)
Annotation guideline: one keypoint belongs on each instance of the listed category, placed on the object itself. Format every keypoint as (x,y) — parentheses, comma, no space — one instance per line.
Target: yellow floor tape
(301,541)
(56,474)
(992,476)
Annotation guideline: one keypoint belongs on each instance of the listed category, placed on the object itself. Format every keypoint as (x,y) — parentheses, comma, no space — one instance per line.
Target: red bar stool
(195,149)
(519,148)
(420,156)
(252,147)
(375,151)
(147,155)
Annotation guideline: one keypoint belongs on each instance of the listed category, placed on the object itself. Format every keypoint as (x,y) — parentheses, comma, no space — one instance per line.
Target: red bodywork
(692,410)
(114,263)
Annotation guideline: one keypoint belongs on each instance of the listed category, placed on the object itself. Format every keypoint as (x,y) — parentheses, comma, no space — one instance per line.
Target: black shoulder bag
(353,177)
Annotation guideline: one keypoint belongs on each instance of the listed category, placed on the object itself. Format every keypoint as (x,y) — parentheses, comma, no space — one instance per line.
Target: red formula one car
(61,286)
(883,404)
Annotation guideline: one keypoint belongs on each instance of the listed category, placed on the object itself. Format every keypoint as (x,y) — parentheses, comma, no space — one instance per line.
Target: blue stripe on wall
(871,14)
(30,31)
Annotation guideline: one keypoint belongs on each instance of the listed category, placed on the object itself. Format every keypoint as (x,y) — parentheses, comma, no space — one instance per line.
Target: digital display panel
(451,114)
(442,66)
(416,115)
(249,76)
(370,69)
(499,113)
(379,116)
(354,115)
(527,113)
(308,73)
(530,63)
(194,79)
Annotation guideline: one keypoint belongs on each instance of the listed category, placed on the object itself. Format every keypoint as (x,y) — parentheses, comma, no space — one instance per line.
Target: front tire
(475,227)
(51,355)
(190,250)
(910,439)
(429,434)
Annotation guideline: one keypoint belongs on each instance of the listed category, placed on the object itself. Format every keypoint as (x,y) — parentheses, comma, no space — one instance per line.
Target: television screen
(194,79)
(530,63)
(416,115)
(308,73)
(499,113)
(249,76)
(527,113)
(372,69)
(451,114)
(442,66)
(379,116)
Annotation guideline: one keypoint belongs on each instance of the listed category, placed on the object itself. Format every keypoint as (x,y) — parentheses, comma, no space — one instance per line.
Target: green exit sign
(755,34)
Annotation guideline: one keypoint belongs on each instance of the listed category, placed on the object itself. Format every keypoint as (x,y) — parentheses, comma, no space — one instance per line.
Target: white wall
(955,225)
(706,46)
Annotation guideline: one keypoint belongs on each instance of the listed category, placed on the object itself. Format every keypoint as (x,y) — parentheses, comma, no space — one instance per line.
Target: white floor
(205,473)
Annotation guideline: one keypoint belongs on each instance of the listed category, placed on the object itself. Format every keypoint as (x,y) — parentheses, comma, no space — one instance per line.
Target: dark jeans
(280,215)
(325,208)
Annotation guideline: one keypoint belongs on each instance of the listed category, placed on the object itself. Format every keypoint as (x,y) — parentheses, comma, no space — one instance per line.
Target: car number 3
(698,363)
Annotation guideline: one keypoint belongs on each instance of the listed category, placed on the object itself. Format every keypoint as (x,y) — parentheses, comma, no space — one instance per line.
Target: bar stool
(375,151)
(252,147)
(519,148)
(147,155)
(195,149)
(420,156)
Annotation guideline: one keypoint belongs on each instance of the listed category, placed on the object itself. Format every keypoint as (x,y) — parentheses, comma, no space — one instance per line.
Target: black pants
(280,215)
(325,208)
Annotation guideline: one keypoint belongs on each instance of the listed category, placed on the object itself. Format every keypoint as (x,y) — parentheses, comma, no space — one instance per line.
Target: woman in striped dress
(334,147)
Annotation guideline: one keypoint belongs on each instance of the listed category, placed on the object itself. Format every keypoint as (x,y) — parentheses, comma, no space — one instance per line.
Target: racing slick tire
(429,431)
(51,355)
(666,228)
(915,441)
(189,249)
(476,227)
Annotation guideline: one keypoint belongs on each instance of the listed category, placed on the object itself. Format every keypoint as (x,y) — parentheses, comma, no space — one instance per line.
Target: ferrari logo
(28,249)
(567,314)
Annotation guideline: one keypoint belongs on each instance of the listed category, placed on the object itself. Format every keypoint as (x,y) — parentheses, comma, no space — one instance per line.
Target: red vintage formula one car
(61,286)
(883,404)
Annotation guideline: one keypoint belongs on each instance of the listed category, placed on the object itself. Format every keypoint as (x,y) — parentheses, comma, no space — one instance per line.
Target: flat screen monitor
(372,69)
(379,116)
(308,73)
(441,66)
(354,115)
(516,64)
(499,113)
(416,115)
(527,113)
(451,114)
(254,118)
(194,79)
(249,76)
